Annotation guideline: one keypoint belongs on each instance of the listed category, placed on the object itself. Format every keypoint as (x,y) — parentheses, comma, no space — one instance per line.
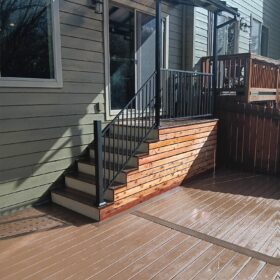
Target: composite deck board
(247,218)
(233,206)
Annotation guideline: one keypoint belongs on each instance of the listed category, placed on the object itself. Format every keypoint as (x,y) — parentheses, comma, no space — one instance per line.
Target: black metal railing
(186,94)
(182,94)
(119,141)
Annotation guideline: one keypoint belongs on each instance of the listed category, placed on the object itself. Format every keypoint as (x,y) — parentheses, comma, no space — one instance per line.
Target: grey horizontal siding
(43,130)
(176,37)
(266,11)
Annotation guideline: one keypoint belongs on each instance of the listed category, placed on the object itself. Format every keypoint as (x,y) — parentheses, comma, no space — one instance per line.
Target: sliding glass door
(132,37)
(122,56)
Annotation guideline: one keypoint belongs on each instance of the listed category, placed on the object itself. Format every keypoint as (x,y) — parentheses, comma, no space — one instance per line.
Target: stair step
(123,131)
(86,184)
(76,201)
(88,167)
(109,157)
(121,143)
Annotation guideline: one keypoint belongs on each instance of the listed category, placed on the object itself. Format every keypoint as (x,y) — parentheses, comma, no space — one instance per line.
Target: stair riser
(86,187)
(90,170)
(110,157)
(134,132)
(76,206)
(121,144)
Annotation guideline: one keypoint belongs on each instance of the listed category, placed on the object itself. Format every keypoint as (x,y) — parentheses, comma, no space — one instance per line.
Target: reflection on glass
(26,39)
(122,62)
(146,41)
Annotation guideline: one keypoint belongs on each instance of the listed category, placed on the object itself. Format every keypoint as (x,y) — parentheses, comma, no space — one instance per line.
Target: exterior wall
(43,130)
(266,11)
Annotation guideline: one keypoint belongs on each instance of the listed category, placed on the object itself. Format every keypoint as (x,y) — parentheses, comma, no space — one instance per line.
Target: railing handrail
(187,72)
(228,56)
(127,105)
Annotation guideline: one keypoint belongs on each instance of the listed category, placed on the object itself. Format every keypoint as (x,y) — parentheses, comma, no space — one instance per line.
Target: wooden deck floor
(182,234)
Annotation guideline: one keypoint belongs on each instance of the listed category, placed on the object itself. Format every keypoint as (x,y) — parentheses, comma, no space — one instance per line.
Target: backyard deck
(225,227)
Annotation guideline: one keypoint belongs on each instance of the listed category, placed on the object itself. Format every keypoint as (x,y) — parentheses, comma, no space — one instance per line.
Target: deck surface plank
(237,207)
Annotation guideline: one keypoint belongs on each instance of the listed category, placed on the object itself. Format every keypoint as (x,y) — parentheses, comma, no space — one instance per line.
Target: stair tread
(77,196)
(130,138)
(92,162)
(90,179)
(121,151)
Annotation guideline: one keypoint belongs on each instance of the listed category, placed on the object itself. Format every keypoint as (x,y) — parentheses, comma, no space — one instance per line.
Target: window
(256,30)
(264,41)
(29,44)
(259,38)
(227,36)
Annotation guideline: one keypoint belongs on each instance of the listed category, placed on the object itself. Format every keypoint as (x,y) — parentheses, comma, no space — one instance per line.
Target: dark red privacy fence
(249,137)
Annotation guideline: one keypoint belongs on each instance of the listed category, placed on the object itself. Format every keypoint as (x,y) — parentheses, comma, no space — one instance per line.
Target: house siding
(42,130)
(265,11)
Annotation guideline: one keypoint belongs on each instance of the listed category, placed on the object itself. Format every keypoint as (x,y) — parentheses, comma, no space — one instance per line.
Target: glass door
(132,39)
(122,56)
(145,47)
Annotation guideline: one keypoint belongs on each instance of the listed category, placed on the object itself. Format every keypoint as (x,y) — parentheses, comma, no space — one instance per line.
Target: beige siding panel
(44,134)
(82,55)
(47,122)
(21,185)
(39,98)
(20,173)
(26,148)
(16,200)
(15,112)
(176,37)
(40,158)
(81,21)
(81,44)
(86,66)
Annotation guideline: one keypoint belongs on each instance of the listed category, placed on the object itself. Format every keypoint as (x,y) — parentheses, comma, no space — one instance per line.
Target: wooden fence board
(249,137)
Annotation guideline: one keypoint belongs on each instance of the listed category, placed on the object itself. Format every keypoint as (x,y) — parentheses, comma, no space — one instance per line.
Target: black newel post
(98,164)
(158,51)
(215,59)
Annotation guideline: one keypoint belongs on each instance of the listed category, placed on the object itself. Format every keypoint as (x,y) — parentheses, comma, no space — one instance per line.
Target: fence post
(98,164)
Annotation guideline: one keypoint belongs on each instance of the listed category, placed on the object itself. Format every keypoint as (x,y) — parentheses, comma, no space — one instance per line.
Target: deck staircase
(133,158)
(79,193)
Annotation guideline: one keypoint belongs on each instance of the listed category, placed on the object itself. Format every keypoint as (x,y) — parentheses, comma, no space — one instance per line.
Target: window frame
(254,19)
(266,46)
(226,18)
(56,82)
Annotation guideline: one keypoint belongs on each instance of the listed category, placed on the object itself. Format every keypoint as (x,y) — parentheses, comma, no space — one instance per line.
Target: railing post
(158,51)
(215,53)
(98,164)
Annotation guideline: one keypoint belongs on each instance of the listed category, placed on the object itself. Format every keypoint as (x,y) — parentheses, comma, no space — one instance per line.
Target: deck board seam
(210,239)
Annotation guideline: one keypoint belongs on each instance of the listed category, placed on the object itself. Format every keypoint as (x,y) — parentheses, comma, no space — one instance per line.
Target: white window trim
(57,82)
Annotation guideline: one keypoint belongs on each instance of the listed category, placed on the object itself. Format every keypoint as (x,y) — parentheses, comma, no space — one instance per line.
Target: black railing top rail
(187,72)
